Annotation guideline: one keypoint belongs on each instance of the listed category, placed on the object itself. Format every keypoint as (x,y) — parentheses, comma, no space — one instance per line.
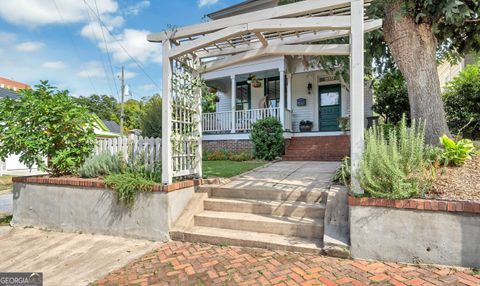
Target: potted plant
(344,123)
(254,81)
(306,125)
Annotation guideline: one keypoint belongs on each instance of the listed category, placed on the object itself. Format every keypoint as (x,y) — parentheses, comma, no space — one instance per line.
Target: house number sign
(301,102)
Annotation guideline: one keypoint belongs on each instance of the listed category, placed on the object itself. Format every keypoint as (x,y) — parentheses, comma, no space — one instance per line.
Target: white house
(281,86)
(252,53)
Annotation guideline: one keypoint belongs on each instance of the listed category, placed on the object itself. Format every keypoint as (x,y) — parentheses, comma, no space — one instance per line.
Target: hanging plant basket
(256,83)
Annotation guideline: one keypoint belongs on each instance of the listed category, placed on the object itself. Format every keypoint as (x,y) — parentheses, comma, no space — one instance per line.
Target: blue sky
(62,41)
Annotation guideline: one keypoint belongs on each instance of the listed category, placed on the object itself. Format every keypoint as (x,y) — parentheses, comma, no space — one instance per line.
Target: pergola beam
(302,24)
(370,25)
(208,40)
(297,24)
(286,50)
(261,38)
(290,10)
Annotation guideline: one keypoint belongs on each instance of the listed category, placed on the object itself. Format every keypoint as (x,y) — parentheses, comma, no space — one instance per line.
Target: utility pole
(122,98)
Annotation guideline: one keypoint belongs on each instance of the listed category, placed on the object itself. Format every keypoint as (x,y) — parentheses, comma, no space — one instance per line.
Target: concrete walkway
(288,175)
(67,258)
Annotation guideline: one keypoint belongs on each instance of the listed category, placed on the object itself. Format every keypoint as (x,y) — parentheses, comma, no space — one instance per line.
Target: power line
(73,42)
(106,48)
(140,66)
(101,55)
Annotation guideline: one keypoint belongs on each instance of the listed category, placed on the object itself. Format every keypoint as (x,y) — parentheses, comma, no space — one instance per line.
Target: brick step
(289,226)
(270,194)
(220,236)
(293,209)
(312,158)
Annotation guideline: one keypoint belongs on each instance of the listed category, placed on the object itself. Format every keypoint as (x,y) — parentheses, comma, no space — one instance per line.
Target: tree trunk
(413,47)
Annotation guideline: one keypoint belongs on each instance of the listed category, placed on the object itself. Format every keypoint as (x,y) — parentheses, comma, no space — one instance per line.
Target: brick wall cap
(99,184)
(453,206)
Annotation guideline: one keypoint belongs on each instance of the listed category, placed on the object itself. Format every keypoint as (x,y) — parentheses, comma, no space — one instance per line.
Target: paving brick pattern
(178,263)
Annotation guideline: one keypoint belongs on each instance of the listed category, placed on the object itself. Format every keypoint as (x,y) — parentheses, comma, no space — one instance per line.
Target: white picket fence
(132,148)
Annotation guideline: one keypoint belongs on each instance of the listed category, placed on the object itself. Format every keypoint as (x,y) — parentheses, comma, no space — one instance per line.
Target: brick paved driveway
(177,263)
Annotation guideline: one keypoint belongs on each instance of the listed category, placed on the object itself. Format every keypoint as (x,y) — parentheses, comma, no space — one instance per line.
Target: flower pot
(305,128)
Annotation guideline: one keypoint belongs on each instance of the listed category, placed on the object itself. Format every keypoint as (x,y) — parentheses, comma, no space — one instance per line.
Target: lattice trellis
(185,102)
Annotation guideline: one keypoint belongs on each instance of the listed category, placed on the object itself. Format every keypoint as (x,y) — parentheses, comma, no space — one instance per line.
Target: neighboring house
(112,126)
(309,94)
(446,71)
(11,84)
(105,128)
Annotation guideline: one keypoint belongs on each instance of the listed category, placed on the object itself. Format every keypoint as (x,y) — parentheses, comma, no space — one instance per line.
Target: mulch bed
(458,183)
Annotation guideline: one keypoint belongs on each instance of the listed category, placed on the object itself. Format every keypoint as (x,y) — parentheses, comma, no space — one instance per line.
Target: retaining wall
(75,205)
(416,231)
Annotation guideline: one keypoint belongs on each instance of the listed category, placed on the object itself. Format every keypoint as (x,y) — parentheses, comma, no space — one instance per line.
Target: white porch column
(282,98)
(234,98)
(289,91)
(356,90)
(167,167)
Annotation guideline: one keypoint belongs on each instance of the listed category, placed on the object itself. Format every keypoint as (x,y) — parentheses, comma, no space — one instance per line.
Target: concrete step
(268,194)
(289,226)
(220,236)
(293,209)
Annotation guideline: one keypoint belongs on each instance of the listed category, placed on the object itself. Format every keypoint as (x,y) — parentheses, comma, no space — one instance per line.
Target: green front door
(329,107)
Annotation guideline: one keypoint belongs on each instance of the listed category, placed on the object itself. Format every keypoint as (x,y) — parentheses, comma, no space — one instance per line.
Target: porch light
(309,88)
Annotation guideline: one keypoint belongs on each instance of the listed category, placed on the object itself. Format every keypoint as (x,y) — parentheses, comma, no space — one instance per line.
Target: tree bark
(413,47)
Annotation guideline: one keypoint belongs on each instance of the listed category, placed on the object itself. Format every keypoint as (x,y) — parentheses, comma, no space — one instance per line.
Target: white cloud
(6,37)
(127,74)
(202,3)
(148,87)
(55,65)
(32,13)
(137,8)
(92,69)
(29,46)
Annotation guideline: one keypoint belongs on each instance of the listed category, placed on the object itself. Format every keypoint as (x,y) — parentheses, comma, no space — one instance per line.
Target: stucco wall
(415,236)
(73,209)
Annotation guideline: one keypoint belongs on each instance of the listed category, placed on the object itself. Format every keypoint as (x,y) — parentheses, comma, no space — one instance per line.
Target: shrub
(343,173)
(46,123)
(224,155)
(267,138)
(461,98)
(391,97)
(127,185)
(240,157)
(100,165)
(217,155)
(455,153)
(396,166)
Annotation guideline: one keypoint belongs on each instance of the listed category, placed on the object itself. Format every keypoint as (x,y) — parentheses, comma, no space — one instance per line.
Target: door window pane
(329,98)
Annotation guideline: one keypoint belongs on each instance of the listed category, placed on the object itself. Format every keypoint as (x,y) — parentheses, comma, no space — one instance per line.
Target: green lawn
(227,169)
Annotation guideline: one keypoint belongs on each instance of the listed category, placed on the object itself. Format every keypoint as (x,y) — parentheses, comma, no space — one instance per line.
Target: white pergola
(288,30)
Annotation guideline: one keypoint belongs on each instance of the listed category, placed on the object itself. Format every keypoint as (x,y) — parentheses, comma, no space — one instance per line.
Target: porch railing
(221,122)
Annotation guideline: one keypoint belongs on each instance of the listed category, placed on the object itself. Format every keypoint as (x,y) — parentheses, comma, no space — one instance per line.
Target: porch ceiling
(259,32)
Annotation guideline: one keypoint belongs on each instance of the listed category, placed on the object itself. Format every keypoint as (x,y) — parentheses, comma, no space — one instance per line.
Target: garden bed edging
(416,231)
(80,205)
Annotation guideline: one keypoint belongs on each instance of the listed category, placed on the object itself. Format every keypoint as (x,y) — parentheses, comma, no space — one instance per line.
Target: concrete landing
(288,175)
(67,258)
